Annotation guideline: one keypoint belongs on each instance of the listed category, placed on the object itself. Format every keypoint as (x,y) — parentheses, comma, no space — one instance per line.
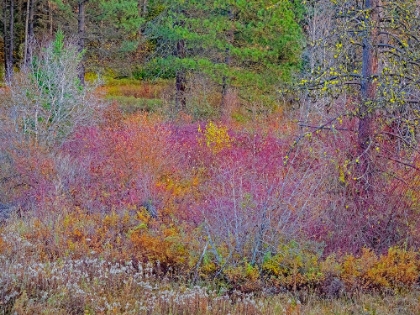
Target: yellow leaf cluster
(216,137)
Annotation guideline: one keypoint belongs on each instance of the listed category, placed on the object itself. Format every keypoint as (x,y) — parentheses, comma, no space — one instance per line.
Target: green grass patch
(131,104)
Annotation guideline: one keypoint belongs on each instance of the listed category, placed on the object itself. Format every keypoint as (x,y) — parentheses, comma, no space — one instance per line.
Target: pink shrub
(120,167)
(248,192)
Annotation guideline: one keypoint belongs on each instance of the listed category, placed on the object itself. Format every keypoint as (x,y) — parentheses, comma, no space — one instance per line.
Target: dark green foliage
(251,45)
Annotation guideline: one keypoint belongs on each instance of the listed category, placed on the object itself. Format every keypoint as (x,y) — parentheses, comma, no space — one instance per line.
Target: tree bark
(230,38)
(11,37)
(181,78)
(5,41)
(29,32)
(417,8)
(143,7)
(31,28)
(368,92)
(81,34)
(8,24)
(50,17)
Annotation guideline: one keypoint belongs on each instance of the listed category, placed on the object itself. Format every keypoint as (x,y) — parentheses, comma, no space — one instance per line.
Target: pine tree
(251,45)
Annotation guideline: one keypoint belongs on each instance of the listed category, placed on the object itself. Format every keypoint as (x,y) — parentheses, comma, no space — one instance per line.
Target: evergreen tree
(247,44)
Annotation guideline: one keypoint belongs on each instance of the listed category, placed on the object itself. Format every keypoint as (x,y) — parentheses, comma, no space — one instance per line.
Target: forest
(209,157)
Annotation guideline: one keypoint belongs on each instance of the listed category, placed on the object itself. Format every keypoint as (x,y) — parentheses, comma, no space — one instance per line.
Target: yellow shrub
(396,270)
(208,266)
(242,273)
(354,270)
(330,266)
(293,266)
(156,241)
(216,137)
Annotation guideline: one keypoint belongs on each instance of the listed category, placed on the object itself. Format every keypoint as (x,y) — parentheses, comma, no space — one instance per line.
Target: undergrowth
(141,214)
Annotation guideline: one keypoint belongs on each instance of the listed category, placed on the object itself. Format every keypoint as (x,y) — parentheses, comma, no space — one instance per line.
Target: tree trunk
(5,41)
(50,17)
(11,37)
(29,32)
(144,8)
(31,29)
(368,93)
(180,76)
(417,8)
(8,24)
(81,34)
(181,79)
(230,37)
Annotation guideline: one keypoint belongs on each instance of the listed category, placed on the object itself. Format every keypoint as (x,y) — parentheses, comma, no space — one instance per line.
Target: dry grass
(134,96)
(132,88)
(31,283)
(130,104)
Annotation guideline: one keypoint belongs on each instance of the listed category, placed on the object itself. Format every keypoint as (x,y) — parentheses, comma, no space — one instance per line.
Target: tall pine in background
(249,45)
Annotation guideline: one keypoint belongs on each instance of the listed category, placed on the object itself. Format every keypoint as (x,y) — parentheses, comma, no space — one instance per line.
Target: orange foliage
(155,241)
(2,245)
(396,270)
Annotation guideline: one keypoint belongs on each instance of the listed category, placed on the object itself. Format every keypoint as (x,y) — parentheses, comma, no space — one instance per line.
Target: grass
(138,89)
(131,104)
(95,286)
(133,96)
(203,100)
(34,280)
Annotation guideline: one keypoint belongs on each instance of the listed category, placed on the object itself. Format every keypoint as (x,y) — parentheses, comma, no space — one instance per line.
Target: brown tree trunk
(50,18)
(8,23)
(368,94)
(225,84)
(81,35)
(180,76)
(144,7)
(29,32)
(180,79)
